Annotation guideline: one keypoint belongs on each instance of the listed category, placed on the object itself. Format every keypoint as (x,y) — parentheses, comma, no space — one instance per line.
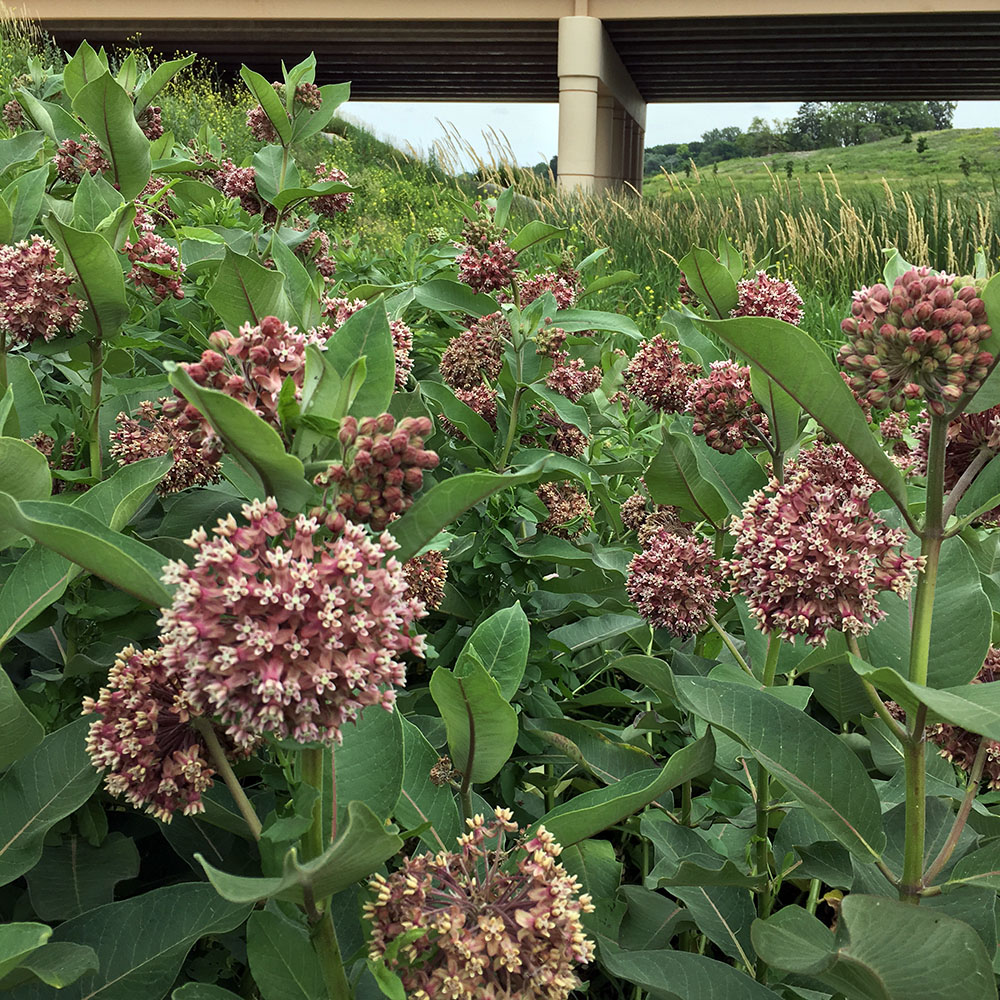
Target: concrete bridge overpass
(602,60)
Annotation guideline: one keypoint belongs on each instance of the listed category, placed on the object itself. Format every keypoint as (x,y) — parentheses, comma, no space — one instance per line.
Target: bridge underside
(602,72)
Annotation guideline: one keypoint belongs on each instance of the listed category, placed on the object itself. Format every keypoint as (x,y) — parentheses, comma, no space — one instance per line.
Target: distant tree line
(817,124)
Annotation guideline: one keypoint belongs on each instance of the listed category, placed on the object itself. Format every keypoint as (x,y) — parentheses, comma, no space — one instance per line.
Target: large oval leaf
(366,334)
(24,473)
(813,765)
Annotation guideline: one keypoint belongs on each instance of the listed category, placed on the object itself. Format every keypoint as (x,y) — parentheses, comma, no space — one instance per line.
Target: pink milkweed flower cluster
(482,399)
(917,341)
(330,205)
(282,627)
(151,206)
(675,582)
(34,293)
(74,159)
(150,120)
(339,310)
(724,408)
(491,931)
(261,128)
(763,295)
(833,465)
(568,507)
(563,438)
(486,263)
(427,574)
(316,247)
(13,116)
(811,555)
(572,379)
(151,433)
(564,284)
(659,376)
(66,460)
(152,249)
(144,739)
(383,467)
(476,355)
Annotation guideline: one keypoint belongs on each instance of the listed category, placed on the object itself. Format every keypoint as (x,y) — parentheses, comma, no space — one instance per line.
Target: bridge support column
(597,103)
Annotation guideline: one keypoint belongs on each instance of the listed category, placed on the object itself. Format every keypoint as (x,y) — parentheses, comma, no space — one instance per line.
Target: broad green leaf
(41,788)
(17,941)
(481,724)
(95,200)
(991,299)
(590,813)
(55,121)
(681,326)
(983,489)
(873,956)
(609,281)
(501,645)
(604,757)
(814,766)
(99,277)
(252,442)
(282,960)
(535,232)
(447,500)
(80,537)
(20,148)
(421,801)
(956,654)
(20,731)
(650,920)
(579,320)
(74,877)
(302,294)
(24,471)
(673,477)
(730,257)
(599,872)
(33,413)
(724,914)
(202,991)
(593,629)
(361,846)
(369,763)
(107,112)
(288,195)
(332,95)
(23,197)
(244,291)
(158,79)
(268,99)
(680,975)
(141,943)
(711,281)
(734,476)
(802,368)
(443,295)
(41,576)
(85,67)
(6,226)
(980,867)
(366,333)
(470,423)
(56,964)
(782,411)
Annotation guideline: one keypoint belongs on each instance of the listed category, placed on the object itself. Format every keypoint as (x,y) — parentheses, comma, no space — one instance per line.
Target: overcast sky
(532,128)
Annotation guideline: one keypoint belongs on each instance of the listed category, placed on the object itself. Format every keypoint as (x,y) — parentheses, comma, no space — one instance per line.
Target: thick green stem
(813,901)
(511,430)
(327,948)
(729,645)
(94,429)
(765,898)
(686,803)
(222,767)
(314,840)
(3,363)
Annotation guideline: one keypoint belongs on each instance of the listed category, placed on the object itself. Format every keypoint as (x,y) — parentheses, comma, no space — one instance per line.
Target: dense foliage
(439,632)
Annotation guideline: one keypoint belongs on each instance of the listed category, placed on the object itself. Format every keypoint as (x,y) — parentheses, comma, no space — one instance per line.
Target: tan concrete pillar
(605,174)
(580,42)
(628,163)
(639,161)
(618,145)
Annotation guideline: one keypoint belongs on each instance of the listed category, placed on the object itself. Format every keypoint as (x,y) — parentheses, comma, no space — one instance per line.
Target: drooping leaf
(20,731)
(590,813)
(99,277)
(481,724)
(37,791)
(24,196)
(579,320)
(535,232)
(500,644)
(25,473)
(18,940)
(20,148)
(80,537)
(674,478)
(158,79)
(245,292)
(813,765)
(141,942)
(366,334)
(250,440)
(361,846)
(711,281)
(107,112)
(447,500)
(56,964)
(55,121)
(802,369)
(444,296)
(470,423)
(282,960)
(268,99)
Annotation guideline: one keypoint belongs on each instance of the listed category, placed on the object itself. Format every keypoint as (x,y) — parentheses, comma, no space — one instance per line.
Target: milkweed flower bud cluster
(569,509)
(34,293)
(339,310)
(763,295)
(152,206)
(262,129)
(383,467)
(74,159)
(686,293)
(572,379)
(918,341)
(282,627)
(13,116)
(150,120)
(144,739)
(66,460)
(486,262)
(426,575)
(476,355)
(152,249)
(725,411)
(959,745)
(151,433)
(491,930)
(675,582)
(330,205)
(564,284)
(659,376)
(812,555)
(240,183)
(564,438)
(316,247)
